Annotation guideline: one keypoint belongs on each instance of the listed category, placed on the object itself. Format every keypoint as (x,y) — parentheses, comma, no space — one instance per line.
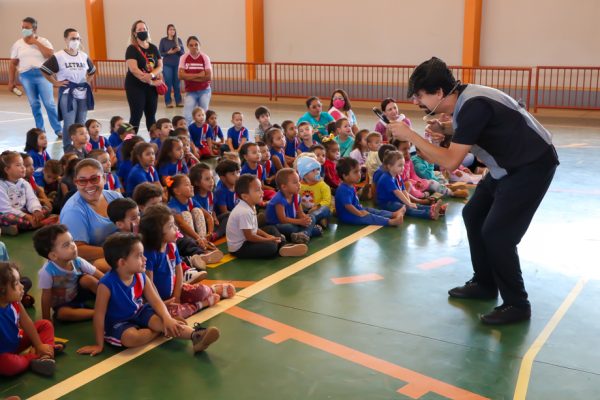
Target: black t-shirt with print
(133,53)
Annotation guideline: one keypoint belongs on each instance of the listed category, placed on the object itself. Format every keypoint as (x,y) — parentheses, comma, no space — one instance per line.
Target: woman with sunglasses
(70,70)
(85,213)
(316,117)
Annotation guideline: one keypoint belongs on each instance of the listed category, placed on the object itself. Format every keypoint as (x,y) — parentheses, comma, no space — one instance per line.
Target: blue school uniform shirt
(112,181)
(200,134)
(124,169)
(39,159)
(207,202)
(84,223)
(163,266)
(377,174)
(10,335)
(224,196)
(177,207)
(260,171)
(278,154)
(138,175)
(114,139)
(291,146)
(291,207)
(346,194)
(173,168)
(217,133)
(386,186)
(157,142)
(303,148)
(125,301)
(102,143)
(236,136)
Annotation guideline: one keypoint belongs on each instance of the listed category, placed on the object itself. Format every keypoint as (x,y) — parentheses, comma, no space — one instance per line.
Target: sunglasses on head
(84,181)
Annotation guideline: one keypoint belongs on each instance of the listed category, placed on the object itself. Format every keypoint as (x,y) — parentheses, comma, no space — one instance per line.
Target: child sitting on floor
(66,280)
(250,156)
(35,145)
(305,134)
(274,138)
(170,159)
(115,138)
(225,197)
(285,212)
(18,332)
(315,195)
(29,177)
(263,116)
(98,141)
(344,136)
(122,318)
(163,267)
(80,141)
(202,179)
(244,239)
(142,158)
(332,154)
(348,207)
(49,178)
(237,135)
(292,142)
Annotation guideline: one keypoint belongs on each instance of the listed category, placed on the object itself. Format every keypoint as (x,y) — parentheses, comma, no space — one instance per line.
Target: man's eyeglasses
(84,181)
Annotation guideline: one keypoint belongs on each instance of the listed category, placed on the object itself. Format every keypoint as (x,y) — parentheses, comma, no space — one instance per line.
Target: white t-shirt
(29,55)
(71,68)
(242,217)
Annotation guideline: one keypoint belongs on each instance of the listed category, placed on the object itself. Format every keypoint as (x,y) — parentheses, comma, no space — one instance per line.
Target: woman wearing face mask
(195,70)
(70,70)
(27,56)
(144,73)
(340,107)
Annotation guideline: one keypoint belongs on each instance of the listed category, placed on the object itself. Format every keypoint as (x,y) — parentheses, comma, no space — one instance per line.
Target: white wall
(540,32)
(53,17)
(362,31)
(219,24)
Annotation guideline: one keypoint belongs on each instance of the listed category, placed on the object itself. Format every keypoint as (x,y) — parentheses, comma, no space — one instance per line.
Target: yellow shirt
(317,193)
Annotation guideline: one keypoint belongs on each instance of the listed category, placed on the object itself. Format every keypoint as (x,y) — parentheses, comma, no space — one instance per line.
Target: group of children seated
(275,192)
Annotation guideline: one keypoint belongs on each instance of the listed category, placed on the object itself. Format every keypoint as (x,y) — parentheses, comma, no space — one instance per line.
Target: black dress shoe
(506,314)
(473,290)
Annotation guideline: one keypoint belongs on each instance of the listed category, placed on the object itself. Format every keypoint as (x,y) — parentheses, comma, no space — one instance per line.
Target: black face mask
(142,35)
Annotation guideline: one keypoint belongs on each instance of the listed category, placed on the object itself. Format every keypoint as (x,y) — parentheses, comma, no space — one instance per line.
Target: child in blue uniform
(143,170)
(170,159)
(122,318)
(225,197)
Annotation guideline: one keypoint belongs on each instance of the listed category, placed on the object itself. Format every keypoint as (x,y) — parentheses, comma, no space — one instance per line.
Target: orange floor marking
(417,384)
(237,284)
(356,279)
(440,262)
(226,258)
(219,242)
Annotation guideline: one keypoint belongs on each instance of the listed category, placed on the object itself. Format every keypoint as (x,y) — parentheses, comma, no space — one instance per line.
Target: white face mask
(26,32)
(74,44)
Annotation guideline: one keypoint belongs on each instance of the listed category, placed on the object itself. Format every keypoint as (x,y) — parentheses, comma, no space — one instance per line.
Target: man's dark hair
(44,238)
(118,246)
(32,21)
(118,208)
(345,165)
(430,76)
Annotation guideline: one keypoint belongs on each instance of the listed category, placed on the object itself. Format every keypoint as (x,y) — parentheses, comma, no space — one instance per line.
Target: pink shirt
(195,65)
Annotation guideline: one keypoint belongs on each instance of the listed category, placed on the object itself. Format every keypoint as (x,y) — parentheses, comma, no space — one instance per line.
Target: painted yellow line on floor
(527,362)
(86,376)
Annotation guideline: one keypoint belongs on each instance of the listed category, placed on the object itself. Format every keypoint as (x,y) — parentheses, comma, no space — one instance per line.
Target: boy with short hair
(121,317)
(263,116)
(165,127)
(66,280)
(225,196)
(285,211)
(125,214)
(80,141)
(315,195)
(237,135)
(244,239)
(348,207)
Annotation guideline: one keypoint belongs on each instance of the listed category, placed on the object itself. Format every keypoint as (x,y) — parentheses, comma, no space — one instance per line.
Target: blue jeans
(172,82)
(39,91)
(422,211)
(375,217)
(321,213)
(77,115)
(200,98)
(310,230)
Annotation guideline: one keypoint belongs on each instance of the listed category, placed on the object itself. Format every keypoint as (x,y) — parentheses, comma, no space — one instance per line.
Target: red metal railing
(555,87)
(567,87)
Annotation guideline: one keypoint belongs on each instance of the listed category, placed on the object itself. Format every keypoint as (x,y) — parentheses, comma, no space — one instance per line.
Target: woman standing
(144,68)
(171,48)
(196,71)
(316,117)
(70,70)
(340,107)
(27,55)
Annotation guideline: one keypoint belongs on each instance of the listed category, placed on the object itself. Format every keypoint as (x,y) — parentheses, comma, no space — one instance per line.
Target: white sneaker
(197,262)
(192,276)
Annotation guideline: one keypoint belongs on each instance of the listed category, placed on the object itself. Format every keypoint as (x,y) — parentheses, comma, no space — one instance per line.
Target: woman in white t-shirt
(70,70)
(27,56)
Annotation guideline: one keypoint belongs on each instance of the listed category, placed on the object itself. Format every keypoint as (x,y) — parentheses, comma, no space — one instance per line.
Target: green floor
(362,334)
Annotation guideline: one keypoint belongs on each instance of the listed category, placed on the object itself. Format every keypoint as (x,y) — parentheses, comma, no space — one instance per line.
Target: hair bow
(128,136)
(328,138)
(169,181)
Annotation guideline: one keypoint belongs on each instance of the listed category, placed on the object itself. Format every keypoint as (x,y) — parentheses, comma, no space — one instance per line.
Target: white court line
(14,112)
(14,120)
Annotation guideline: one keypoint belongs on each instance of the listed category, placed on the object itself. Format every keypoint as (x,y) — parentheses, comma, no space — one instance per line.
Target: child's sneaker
(300,238)
(192,276)
(293,250)
(197,262)
(43,366)
(212,257)
(204,337)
